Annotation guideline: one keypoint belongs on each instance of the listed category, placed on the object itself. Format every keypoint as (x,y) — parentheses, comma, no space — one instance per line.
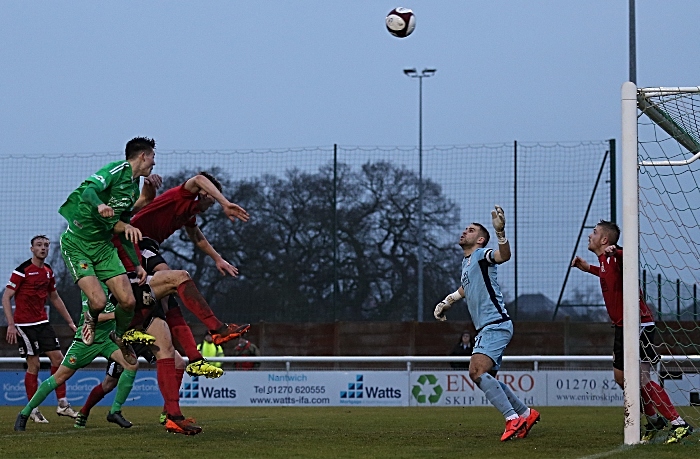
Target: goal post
(661,235)
(630,272)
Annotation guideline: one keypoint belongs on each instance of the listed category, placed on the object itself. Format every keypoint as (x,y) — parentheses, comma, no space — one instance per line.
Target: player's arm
(11,336)
(201,242)
(232,211)
(90,196)
(498,218)
(105,316)
(447,303)
(123,227)
(128,238)
(60,306)
(148,191)
(584,266)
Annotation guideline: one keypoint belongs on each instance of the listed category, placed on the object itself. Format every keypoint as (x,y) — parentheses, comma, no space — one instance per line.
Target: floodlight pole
(426,73)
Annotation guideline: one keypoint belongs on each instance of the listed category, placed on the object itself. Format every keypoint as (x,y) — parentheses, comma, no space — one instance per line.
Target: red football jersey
(32,286)
(610,274)
(167,213)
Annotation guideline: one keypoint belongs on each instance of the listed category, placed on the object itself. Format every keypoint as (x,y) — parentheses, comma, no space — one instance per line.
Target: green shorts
(88,258)
(80,355)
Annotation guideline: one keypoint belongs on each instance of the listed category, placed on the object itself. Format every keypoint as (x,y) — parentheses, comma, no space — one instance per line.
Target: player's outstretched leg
(195,302)
(228,332)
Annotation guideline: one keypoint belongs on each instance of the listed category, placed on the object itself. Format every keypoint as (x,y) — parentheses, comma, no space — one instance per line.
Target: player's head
(474,235)
(40,246)
(142,151)
(604,234)
(204,200)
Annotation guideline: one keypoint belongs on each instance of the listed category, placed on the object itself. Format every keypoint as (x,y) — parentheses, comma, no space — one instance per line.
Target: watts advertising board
(298,388)
(346,388)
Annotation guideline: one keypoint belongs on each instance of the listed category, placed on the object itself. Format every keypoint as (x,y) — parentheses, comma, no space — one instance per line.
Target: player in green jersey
(92,210)
(80,355)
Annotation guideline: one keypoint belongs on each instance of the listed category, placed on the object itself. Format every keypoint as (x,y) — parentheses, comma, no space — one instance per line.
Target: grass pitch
(338,432)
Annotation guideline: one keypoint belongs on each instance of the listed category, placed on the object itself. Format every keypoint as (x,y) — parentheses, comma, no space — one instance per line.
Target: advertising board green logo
(427,389)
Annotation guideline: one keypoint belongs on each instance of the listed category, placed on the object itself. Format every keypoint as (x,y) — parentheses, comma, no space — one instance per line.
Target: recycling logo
(427,389)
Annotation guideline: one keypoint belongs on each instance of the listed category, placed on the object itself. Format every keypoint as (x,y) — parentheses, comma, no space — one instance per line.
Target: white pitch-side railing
(407,359)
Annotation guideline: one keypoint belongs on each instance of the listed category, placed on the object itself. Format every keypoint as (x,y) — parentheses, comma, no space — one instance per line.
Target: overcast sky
(84,76)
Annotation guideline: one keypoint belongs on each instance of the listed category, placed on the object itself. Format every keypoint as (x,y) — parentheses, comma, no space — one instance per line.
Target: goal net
(667,173)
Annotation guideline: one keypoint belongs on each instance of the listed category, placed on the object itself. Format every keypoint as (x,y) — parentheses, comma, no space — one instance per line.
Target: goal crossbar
(667,123)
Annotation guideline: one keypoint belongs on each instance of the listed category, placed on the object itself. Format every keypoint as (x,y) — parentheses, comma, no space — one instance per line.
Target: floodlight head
(410,72)
(429,72)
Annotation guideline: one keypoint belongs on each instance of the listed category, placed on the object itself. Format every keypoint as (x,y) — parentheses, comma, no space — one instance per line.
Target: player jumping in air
(494,328)
(158,220)
(602,241)
(92,210)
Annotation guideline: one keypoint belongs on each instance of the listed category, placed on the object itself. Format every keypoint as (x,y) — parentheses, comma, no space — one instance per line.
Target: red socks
(195,302)
(31,383)
(60,390)
(169,388)
(96,394)
(660,398)
(182,333)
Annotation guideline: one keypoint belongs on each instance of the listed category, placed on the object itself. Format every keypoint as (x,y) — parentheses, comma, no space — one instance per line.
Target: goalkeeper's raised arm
(498,218)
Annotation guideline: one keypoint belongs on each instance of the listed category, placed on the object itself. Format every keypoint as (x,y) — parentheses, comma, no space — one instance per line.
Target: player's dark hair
(39,236)
(137,145)
(483,232)
(611,230)
(212,179)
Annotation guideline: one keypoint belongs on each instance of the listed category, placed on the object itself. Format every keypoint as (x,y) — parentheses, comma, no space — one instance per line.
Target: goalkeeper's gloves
(499,224)
(445,305)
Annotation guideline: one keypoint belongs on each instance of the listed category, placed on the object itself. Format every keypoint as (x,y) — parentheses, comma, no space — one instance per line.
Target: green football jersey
(102,329)
(116,188)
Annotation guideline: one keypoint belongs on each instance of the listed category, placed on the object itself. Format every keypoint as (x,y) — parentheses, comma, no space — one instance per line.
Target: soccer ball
(400,22)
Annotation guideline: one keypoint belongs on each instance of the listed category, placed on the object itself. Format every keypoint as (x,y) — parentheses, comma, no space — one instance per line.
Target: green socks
(126,382)
(43,391)
(123,319)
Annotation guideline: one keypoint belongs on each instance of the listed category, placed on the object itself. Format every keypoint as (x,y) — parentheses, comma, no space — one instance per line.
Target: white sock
(512,416)
(678,421)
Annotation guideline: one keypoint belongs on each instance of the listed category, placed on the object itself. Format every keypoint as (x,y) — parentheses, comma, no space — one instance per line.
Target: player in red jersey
(602,241)
(31,283)
(175,208)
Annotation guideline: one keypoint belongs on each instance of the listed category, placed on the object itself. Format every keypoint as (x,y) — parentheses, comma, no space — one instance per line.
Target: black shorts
(141,350)
(150,255)
(144,350)
(147,307)
(36,339)
(647,350)
(114,369)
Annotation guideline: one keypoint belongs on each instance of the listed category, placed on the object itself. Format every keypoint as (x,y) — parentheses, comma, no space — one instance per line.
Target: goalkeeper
(494,327)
